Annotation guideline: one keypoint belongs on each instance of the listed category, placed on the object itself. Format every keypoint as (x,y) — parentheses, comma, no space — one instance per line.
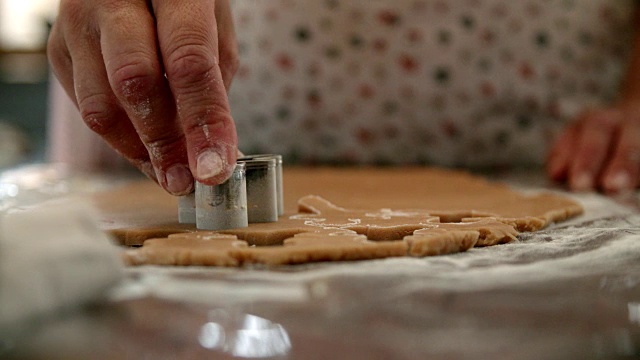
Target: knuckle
(192,83)
(114,6)
(71,8)
(76,17)
(56,52)
(190,63)
(190,68)
(135,75)
(214,115)
(162,146)
(98,113)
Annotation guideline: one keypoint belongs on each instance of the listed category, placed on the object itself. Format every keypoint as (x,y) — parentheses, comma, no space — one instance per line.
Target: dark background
(23,97)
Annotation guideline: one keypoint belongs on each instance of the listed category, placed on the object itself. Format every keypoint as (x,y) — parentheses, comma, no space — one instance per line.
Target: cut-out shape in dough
(324,245)
(490,231)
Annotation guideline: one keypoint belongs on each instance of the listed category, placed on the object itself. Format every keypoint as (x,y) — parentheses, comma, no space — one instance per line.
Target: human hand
(600,150)
(150,77)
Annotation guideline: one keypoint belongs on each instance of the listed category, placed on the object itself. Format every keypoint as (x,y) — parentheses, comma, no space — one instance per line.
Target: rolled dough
(444,212)
(325,232)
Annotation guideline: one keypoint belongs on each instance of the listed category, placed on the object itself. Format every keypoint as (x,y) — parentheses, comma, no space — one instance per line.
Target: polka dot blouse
(445,82)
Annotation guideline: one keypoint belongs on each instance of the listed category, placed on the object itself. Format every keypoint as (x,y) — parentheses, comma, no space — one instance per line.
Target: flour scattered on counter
(605,241)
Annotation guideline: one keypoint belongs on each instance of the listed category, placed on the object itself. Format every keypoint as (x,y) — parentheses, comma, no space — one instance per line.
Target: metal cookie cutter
(262,194)
(279,182)
(187,209)
(223,206)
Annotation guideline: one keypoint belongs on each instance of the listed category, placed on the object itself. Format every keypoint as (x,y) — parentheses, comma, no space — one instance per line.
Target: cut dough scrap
(325,245)
(533,213)
(137,236)
(214,249)
(273,233)
(556,209)
(431,242)
(447,238)
(448,193)
(384,224)
(206,249)
(491,231)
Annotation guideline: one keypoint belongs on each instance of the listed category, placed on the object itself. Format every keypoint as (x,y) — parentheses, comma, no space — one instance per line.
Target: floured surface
(568,291)
(606,245)
(444,212)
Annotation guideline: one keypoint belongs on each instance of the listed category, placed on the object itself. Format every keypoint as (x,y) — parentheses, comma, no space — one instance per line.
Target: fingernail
(209,164)
(179,180)
(619,181)
(582,182)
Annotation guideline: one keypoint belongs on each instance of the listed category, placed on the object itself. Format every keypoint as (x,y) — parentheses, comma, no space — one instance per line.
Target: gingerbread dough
(206,249)
(444,212)
(325,232)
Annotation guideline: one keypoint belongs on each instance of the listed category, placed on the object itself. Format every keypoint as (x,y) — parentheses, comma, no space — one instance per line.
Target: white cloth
(52,257)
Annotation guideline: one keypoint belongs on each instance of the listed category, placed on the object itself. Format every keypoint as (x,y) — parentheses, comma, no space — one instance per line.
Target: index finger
(188,39)
(129,48)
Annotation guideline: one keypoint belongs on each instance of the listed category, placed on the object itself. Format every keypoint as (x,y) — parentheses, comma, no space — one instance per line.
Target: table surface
(571,290)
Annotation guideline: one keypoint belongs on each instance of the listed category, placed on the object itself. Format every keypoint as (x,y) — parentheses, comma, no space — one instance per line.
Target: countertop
(569,291)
